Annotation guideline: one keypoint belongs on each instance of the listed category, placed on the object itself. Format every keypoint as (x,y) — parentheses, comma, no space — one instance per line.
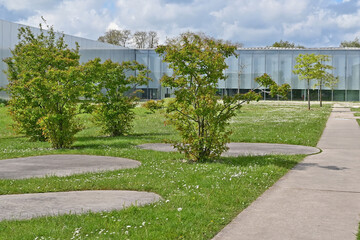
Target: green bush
(60,129)
(4,102)
(112,89)
(197,112)
(26,119)
(45,83)
(116,118)
(153,105)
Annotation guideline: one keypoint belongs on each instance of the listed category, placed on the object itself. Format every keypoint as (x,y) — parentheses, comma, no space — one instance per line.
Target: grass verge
(356,114)
(198,199)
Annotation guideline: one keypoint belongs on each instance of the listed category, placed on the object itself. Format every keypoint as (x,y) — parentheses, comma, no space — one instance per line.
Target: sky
(255,23)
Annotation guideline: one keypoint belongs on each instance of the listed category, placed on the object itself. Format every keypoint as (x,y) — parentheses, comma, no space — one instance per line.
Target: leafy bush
(3,102)
(60,129)
(112,91)
(45,83)
(198,63)
(198,113)
(153,105)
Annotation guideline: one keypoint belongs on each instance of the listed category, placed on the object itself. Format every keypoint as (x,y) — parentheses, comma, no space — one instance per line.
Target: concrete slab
(318,199)
(284,214)
(244,149)
(332,170)
(26,206)
(60,165)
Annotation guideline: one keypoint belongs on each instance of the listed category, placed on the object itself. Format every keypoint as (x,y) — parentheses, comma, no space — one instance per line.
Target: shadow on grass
(15,137)
(135,136)
(99,143)
(283,161)
(117,142)
(149,134)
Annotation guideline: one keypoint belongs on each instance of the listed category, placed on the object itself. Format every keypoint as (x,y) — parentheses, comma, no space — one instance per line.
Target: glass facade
(249,64)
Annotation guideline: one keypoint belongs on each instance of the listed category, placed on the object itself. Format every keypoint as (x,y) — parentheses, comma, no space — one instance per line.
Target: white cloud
(348,21)
(255,23)
(27,5)
(84,18)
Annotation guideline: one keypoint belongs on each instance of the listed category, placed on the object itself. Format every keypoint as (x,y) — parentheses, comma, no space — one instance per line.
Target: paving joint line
(322,190)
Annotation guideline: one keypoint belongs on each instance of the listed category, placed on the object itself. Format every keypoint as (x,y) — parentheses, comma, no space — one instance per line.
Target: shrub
(59,129)
(3,102)
(113,93)
(198,113)
(45,83)
(153,105)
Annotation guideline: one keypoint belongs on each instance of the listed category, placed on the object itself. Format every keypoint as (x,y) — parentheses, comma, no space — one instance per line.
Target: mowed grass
(280,122)
(356,114)
(198,199)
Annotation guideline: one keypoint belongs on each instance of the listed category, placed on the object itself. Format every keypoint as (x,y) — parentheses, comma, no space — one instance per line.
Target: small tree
(323,77)
(112,82)
(312,67)
(331,81)
(45,83)
(306,68)
(241,68)
(198,113)
(268,83)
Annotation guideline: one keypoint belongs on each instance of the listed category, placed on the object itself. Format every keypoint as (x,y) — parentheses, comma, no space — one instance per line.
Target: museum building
(250,63)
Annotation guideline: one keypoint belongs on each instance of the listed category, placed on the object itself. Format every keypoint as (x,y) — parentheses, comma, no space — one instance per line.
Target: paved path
(60,165)
(25,206)
(243,149)
(318,199)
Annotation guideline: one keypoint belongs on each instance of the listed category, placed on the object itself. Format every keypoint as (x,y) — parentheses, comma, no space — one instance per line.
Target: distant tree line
(150,39)
(344,44)
(140,39)
(285,44)
(355,43)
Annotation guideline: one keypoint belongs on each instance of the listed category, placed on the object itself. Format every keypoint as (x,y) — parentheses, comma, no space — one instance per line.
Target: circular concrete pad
(60,165)
(26,206)
(245,149)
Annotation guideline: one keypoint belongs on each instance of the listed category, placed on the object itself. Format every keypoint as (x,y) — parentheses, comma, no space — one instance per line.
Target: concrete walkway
(318,199)
(244,149)
(60,165)
(25,206)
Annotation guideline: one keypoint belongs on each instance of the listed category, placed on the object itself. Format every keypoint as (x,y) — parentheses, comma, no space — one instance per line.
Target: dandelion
(179,209)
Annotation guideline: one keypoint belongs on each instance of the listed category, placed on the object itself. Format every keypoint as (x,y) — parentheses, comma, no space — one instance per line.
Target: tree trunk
(320,97)
(308,93)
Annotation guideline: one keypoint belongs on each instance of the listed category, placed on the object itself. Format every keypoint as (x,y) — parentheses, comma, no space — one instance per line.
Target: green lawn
(198,199)
(356,114)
